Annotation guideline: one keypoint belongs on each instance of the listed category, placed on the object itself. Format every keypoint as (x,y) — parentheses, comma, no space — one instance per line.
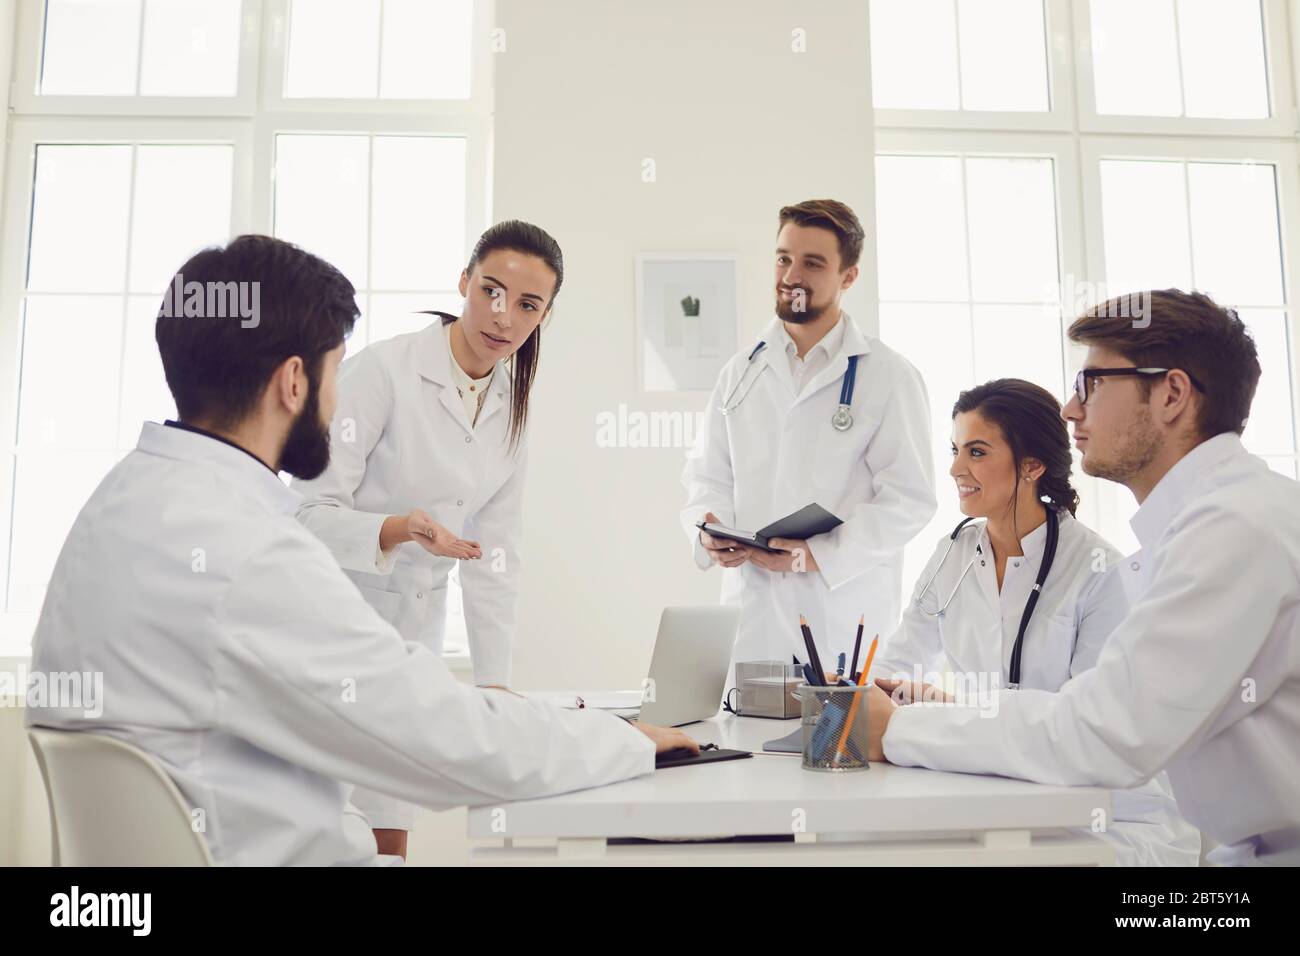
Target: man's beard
(1134,451)
(307,449)
(786,312)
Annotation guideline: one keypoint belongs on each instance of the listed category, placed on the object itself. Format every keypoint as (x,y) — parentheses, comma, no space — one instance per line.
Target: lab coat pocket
(836,460)
(387,603)
(1049,661)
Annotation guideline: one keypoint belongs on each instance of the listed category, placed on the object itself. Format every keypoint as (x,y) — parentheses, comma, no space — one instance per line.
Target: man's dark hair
(1182,330)
(218,359)
(832,215)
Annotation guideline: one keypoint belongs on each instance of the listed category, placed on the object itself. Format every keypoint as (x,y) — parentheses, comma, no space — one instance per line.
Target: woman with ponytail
(426,469)
(1024,599)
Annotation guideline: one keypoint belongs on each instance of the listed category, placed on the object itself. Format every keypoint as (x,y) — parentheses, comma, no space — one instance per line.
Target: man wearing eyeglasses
(1202,678)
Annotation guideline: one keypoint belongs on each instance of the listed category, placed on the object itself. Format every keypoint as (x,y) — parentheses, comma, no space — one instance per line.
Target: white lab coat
(401,440)
(777,452)
(235,651)
(1081,603)
(1201,678)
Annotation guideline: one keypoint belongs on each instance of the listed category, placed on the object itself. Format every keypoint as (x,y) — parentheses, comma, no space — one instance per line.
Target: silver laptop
(688,672)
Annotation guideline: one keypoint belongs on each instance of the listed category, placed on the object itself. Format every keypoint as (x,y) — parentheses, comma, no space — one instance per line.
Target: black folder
(684,758)
(807,522)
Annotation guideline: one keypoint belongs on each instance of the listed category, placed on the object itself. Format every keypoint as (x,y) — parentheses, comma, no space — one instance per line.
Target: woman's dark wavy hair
(1030,420)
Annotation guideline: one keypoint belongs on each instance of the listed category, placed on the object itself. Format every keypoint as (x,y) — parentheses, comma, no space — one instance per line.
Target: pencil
(813,657)
(857,646)
(857,699)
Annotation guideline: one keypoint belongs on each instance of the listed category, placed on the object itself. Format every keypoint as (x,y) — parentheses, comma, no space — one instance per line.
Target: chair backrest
(112,805)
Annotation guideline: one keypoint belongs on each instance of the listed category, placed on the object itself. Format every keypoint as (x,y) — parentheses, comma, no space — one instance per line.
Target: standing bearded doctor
(813,411)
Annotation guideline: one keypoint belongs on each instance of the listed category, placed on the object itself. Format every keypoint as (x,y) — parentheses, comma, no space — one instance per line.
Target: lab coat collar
(1033,544)
(1166,498)
(433,360)
(238,465)
(853,343)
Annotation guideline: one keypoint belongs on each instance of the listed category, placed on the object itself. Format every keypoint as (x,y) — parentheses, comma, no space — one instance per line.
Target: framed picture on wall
(687,319)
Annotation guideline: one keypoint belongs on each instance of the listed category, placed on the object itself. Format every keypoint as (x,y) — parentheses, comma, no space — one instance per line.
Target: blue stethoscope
(841,421)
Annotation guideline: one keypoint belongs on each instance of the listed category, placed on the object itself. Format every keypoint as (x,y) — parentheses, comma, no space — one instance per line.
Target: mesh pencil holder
(834,723)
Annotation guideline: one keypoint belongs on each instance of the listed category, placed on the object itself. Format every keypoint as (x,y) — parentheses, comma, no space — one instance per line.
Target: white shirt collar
(829,344)
(1167,497)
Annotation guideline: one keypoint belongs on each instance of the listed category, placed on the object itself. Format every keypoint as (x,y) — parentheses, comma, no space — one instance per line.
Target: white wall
(738,125)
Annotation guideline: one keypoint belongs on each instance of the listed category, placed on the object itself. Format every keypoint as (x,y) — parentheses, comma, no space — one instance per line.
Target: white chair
(112,805)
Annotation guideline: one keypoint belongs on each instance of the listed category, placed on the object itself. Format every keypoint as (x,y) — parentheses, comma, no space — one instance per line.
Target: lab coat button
(459,502)
(419,594)
(468,439)
(1135,566)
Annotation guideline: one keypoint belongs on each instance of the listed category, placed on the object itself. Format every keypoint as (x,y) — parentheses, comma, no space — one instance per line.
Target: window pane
(321,185)
(162,239)
(1144,226)
(333,49)
(145,396)
(1019,341)
(1135,57)
(79,216)
(419,212)
(1003,55)
(914,55)
(191,48)
(50,487)
(921,229)
(391,313)
(958,54)
(1269,430)
(1202,58)
(914,330)
(1222,45)
(426,49)
(1011,204)
(91,47)
(1235,248)
(69,394)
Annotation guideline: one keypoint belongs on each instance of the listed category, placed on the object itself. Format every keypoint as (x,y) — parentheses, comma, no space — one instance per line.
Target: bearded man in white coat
(234,650)
(1202,677)
(819,412)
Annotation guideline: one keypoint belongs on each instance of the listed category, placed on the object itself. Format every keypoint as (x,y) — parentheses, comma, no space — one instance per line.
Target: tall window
(355,128)
(1038,156)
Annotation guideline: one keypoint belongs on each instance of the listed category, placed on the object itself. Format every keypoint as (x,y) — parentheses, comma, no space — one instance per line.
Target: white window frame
(1076,138)
(248,121)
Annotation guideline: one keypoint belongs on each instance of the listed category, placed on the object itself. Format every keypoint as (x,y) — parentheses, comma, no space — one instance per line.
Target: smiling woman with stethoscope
(1024,599)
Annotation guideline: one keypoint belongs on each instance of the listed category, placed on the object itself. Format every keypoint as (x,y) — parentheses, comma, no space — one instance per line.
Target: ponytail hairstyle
(529,240)
(1030,419)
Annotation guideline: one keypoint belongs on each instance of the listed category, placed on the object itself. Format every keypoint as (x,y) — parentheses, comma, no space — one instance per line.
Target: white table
(882,816)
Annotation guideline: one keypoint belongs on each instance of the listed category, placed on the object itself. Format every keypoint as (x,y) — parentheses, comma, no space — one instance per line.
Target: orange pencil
(857,698)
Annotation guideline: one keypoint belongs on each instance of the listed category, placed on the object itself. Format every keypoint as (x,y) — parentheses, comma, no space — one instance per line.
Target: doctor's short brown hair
(832,215)
(1170,328)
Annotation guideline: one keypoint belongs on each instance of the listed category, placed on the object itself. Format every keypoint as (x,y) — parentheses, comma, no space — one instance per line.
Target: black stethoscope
(841,420)
(1049,555)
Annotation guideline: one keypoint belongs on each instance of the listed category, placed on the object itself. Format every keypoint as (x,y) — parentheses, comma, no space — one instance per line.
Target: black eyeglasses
(1082,389)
